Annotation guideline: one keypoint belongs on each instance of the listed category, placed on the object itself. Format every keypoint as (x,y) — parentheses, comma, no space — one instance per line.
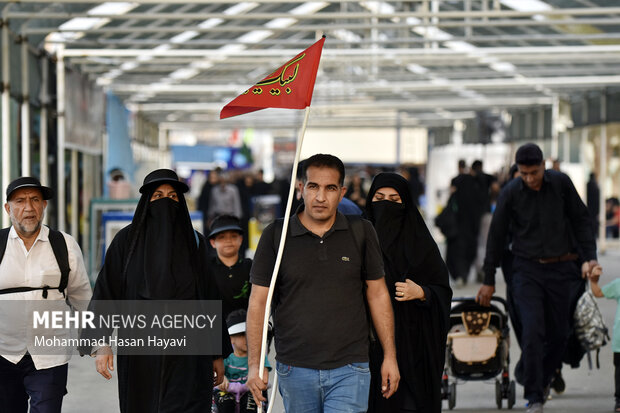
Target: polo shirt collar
(218,261)
(296,228)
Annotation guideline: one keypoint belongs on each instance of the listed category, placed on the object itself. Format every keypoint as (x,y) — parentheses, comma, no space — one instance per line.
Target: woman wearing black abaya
(160,257)
(417,279)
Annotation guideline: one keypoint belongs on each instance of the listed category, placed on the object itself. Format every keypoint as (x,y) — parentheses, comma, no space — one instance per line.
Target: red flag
(289,87)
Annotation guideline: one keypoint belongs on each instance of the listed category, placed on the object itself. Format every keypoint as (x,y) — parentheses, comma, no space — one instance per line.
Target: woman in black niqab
(159,256)
(417,279)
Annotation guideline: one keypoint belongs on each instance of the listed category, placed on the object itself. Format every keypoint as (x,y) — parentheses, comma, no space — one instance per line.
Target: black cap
(28,182)
(115,172)
(225,223)
(236,321)
(529,154)
(163,176)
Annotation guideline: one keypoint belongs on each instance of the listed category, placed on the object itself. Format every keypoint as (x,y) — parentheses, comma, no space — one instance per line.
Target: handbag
(590,328)
(447,221)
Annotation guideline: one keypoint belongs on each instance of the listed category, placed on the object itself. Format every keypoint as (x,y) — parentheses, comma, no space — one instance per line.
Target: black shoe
(557,383)
(546,394)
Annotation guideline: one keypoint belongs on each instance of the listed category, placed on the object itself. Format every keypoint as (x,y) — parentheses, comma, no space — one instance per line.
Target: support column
(163,145)
(60,161)
(6,115)
(25,109)
(75,203)
(555,117)
(603,174)
(43,137)
(398,137)
(88,185)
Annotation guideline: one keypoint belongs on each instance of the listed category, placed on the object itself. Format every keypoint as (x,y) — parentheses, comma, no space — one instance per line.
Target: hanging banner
(84,114)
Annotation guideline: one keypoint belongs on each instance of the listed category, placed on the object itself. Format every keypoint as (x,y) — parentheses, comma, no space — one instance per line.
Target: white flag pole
(273,393)
(274,276)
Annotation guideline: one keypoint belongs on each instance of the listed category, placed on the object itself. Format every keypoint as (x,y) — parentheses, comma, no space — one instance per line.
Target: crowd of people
(361,309)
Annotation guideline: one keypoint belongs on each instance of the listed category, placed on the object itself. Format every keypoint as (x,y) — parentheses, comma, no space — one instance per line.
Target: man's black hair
(462,164)
(529,154)
(321,160)
(477,165)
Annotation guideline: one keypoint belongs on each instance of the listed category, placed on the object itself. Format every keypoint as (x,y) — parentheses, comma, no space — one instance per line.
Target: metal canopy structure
(402,63)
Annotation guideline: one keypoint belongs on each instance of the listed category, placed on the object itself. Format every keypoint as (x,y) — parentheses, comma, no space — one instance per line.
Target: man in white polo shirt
(31,270)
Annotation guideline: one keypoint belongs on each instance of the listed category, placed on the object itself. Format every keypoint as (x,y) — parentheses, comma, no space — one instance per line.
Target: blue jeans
(341,390)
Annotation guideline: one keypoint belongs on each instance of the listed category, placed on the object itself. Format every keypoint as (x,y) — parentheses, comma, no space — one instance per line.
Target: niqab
(163,249)
(409,252)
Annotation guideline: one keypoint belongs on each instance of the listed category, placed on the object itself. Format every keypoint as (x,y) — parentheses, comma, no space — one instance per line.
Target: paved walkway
(588,391)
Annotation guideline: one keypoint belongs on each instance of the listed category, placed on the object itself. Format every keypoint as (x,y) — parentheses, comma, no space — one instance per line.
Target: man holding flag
(322,342)
(321,329)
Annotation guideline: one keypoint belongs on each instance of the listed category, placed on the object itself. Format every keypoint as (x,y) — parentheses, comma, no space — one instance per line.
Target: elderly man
(38,264)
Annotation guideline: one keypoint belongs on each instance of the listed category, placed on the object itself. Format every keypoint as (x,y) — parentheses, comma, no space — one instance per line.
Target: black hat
(529,154)
(28,182)
(163,176)
(236,321)
(225,223)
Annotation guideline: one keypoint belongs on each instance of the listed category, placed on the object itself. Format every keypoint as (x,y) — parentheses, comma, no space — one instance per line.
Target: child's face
(239,342)
(227,243)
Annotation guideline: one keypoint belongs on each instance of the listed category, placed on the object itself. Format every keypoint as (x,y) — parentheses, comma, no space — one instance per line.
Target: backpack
(59,247)
(447,221)
(589,326)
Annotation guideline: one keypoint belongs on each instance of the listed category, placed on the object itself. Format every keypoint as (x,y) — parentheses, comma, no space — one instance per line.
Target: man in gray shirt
(224,199)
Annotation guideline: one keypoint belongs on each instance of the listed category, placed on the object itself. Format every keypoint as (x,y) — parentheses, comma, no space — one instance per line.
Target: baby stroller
(478,349)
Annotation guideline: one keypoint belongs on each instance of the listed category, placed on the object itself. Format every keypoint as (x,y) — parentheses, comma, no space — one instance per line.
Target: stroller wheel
(512,394)
(452,396)
(445,387)
(498,394)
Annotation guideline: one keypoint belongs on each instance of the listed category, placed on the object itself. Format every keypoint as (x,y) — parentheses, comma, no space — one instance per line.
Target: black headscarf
(163,248)
(409,252)
(403,235)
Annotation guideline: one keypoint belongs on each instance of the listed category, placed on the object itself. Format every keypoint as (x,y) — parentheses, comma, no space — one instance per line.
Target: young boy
(233,389)
(611,290)
(230,270)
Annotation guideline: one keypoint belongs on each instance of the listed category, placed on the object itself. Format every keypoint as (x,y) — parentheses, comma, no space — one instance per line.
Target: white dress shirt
(35,268)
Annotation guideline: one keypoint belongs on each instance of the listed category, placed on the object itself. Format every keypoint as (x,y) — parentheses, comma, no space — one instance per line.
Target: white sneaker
(535,408)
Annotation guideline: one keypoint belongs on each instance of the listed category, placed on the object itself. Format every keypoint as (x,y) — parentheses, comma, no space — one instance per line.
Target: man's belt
(562,258)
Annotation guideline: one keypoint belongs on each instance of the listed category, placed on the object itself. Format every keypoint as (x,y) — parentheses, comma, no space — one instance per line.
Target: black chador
(421,326)
(159,256)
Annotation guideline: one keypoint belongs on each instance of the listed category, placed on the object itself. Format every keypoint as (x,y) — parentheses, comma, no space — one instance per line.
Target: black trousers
(45,387)
(617,375)
(543,294)
(507,259)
